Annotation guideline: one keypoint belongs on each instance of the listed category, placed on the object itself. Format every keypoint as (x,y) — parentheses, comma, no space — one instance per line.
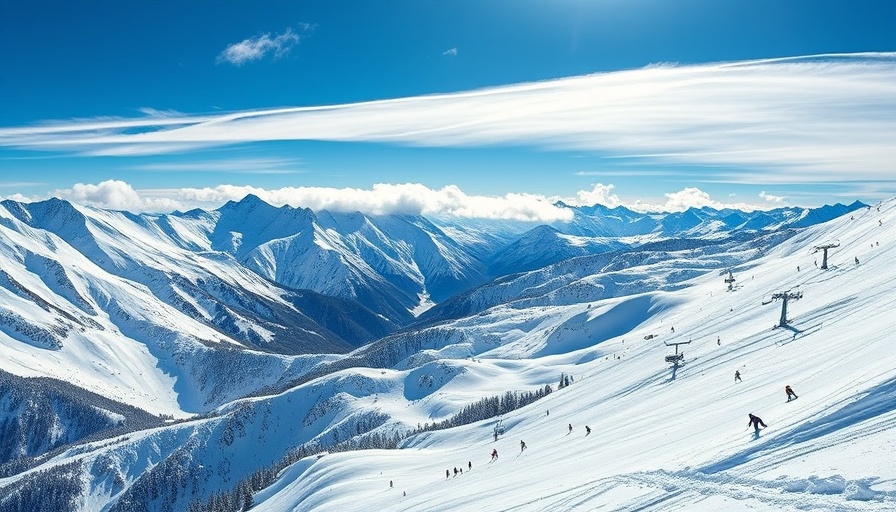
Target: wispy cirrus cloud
(232,165)
(260,46)
(815,119)
(450,52)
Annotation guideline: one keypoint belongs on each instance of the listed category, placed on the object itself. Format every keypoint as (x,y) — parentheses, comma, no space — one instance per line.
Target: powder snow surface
(664,439)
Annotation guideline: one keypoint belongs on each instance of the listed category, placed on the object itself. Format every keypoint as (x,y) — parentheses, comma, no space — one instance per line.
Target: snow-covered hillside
(661,438)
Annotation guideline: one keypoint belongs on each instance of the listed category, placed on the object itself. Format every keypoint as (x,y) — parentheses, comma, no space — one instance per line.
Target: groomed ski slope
(664,439)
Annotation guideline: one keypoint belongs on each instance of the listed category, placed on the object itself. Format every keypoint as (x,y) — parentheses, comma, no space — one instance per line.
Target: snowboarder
(755,421)
(737,376)
(494,454)
(570,428)
(790,394)
(522,445)
(587,430)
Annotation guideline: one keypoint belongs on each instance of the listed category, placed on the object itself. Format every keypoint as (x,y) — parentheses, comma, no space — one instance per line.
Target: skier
(447,474)
(469,465)
(455,471)
(719,341)
(790,393)
(522,446)
(737,376)
(587,430)
(755,421)
(673,328)
(494,454)
(570,428)
(390,484)
(496,435)
(857,260)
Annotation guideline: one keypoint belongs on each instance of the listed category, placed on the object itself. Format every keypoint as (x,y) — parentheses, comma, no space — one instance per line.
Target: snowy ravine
(660,439)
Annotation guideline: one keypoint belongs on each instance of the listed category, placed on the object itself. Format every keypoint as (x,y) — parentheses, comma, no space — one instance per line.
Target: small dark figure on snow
(496,435)
(755,421)
(673,328)
(719,341)
(390,484)
(857,260)
(494,454)
(469,465)
(455,471)
(737,376)
(587,430)
(570,428)
(522,446)
(790,394)
(447,474)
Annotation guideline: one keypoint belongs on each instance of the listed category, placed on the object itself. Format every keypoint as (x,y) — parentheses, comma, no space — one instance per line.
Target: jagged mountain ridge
(203,285)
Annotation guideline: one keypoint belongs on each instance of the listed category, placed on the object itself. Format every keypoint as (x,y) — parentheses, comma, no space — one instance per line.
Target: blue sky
(448,105)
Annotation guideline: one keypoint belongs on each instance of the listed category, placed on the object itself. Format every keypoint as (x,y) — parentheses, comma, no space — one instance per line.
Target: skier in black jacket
(755,421)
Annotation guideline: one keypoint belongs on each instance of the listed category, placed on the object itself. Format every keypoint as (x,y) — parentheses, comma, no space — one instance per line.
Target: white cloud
(689,197)
(383,199)
(407,198)
(451,52)
(599,194)
(818,119)
(770,198)
(115,195)
(258,47)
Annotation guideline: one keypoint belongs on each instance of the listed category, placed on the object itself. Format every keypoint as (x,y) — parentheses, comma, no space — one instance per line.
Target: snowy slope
(664,440)
(660,439)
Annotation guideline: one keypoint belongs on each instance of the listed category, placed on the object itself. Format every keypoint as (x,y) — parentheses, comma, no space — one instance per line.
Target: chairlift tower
(785,296)
(676,359)
(730,280)
(824,258)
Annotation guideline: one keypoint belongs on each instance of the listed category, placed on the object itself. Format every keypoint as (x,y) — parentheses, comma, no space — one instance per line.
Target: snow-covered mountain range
(184,360)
